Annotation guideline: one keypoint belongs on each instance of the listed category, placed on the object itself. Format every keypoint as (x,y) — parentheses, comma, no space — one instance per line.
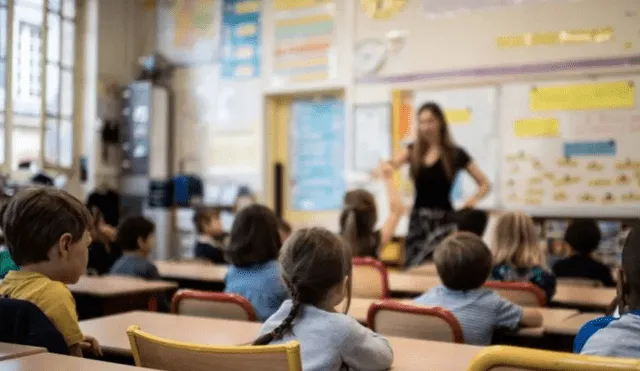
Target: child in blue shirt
(463,262)
(618,337)
(253,252)
(518,255)
(316,268)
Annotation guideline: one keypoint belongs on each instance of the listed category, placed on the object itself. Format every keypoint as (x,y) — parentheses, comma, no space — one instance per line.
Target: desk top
(551,316)
(570,326)
(192,270)
(49,361)
(118,285)
(9,351)
(595,297)
(110,331)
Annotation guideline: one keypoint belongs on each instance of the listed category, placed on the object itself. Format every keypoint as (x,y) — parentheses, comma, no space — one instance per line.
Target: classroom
(319,185)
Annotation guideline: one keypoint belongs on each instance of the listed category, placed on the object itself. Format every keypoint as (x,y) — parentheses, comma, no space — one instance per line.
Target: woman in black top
(434,162)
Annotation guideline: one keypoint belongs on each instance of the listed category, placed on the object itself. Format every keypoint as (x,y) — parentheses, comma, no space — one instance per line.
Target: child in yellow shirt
(47,233)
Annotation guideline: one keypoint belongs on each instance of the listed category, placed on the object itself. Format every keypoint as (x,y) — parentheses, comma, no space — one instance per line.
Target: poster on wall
(304,39)
(571,147)
(449,7)
(371,135)
(316,156)
(188,31)
(241,49)
(473,123)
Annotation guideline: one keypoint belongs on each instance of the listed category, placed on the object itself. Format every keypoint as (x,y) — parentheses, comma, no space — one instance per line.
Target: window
(40,55)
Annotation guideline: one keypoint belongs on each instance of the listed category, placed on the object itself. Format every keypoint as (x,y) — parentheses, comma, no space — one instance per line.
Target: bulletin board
(570,147)
(473,124)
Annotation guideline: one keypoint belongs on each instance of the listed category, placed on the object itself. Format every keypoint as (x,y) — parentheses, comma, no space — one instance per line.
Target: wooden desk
(570,326)
(551,316)
(411,284)
(100,296)
(428,269)
(110,331)
(49,361)
(193,274)
(584,297)
(10,351)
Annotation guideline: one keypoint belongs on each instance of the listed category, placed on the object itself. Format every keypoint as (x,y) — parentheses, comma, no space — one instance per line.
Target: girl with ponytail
(315,266)
(359,216)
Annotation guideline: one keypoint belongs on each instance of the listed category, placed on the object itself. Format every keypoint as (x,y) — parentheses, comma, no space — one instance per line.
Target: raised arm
(400,158)
(396,206)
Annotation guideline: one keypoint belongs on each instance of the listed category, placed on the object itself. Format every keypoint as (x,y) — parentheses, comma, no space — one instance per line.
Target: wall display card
(189,31)
(449,7)
(304,41)
(241,43)
(371,135)
(572,147)
(316,156)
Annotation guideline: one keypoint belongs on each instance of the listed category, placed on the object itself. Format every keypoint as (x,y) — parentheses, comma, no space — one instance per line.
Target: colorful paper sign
(537,127)
(458,116)
(590,148)
(241,39)
(571,37)
(590,96)
(194,20)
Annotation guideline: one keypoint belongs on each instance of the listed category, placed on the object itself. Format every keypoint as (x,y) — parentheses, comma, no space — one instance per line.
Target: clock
(370,56)
(382,9)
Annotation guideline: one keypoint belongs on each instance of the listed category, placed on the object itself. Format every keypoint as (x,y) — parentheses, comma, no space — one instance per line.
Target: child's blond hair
(516,241)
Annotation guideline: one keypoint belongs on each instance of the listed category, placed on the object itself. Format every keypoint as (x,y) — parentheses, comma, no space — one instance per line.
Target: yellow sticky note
(247,7)
(537,127)
(458,116)
(506,42)
(545,38)
(297,4)
(599,95)
(246,30)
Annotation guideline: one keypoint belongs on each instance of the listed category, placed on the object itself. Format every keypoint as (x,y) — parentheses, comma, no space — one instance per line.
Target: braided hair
(312,261)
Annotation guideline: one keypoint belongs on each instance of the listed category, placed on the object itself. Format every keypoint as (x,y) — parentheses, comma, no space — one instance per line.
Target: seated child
(103,252)
(209,227)
(518,255)
(6,263)
(463,262)
(471,220)
(584,238)
(284,228)
(136,237)
(316,268)
(618,337)
(360,215)
(47,233)
(253,252)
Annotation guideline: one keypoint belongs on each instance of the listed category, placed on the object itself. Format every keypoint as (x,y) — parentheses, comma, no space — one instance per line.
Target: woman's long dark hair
(421,146)
(312,262)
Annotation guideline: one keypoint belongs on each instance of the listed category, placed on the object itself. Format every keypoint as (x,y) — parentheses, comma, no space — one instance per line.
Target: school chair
(582,282)
(168,355)
(391,318)
(213,305)
(369,279)
(525,294)
(505,358)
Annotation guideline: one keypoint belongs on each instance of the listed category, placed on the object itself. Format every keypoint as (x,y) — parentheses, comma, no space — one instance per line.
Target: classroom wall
(442,51)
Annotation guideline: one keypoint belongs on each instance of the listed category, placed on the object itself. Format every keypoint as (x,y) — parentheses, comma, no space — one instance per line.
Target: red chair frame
(521,286)
(380,267)
(221,297)
(439,312)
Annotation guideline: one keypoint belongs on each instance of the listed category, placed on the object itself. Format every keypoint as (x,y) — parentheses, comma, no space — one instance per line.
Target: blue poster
(317,155)
(240,57)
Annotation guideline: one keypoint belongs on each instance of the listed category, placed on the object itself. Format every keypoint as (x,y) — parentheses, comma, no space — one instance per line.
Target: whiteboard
(371,135)
(473,124)
(584,162)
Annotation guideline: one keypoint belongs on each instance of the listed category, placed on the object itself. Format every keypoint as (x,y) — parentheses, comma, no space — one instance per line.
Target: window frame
(59,67)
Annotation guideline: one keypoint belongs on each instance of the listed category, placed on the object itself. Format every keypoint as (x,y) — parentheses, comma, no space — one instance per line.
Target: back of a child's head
(471,220)
(358,219)
(463,261)
(35,219)
(202,216)
(583,235)
(132,230)
(312,262)
(516,241)
(631,268)
(254,237)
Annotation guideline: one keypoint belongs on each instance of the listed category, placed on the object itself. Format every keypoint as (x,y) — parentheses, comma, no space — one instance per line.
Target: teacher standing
(434,161)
